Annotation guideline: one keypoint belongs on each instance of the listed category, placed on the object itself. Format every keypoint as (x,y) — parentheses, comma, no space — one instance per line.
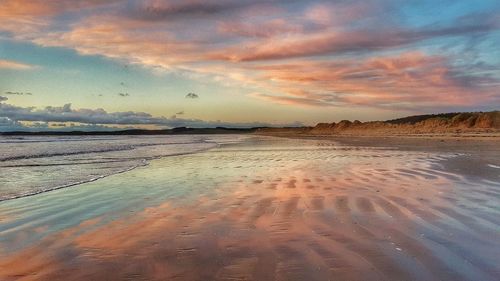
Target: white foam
(41,165)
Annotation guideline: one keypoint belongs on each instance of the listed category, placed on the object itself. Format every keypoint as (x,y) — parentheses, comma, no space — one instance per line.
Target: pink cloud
(332,42)
(339,13)
(410,79)
(290,100)
(131,40)
(276,27)
(14,65)
(22,17)
(313,56)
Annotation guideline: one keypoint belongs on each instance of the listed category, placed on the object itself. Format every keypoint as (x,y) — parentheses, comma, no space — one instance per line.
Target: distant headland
(443,123)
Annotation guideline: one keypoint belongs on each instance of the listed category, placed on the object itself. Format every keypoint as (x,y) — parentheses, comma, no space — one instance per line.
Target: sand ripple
(389,216)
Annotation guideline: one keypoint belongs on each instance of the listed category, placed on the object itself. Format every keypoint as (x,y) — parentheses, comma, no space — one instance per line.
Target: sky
(101,64)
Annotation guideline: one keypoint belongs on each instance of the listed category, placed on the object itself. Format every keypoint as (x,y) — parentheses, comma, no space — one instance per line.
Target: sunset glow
(94,63)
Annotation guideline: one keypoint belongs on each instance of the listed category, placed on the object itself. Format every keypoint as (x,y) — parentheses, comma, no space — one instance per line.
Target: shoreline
(144,162)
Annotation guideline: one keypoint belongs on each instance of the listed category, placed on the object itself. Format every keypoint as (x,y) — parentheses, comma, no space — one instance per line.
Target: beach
(251,207)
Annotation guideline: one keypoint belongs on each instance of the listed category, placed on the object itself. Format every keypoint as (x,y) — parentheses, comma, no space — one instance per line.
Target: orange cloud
(25,19)
(9,64)
(276,27)
(130,40)
(410,79)
(333,42)
(315,55)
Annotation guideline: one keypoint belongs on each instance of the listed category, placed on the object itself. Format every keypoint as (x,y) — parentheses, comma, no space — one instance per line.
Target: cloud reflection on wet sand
(403,220)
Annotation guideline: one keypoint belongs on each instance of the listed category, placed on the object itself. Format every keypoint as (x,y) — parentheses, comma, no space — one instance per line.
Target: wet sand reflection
(403,220)
(295,227)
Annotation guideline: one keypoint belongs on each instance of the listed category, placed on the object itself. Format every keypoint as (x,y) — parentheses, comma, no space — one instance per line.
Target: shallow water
(31,165)
(261,208)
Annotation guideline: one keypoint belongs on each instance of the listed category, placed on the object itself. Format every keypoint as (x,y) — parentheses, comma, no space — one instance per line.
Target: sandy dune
(464,125)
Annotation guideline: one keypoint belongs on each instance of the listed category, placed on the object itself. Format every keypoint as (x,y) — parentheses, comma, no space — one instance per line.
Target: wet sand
(286,210)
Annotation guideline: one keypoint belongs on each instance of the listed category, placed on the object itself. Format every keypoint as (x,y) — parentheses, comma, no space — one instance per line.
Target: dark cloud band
(99,116)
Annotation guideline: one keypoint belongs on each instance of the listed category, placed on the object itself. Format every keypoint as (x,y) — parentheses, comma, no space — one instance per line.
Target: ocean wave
(102,150)
(43,190)
(36,173)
